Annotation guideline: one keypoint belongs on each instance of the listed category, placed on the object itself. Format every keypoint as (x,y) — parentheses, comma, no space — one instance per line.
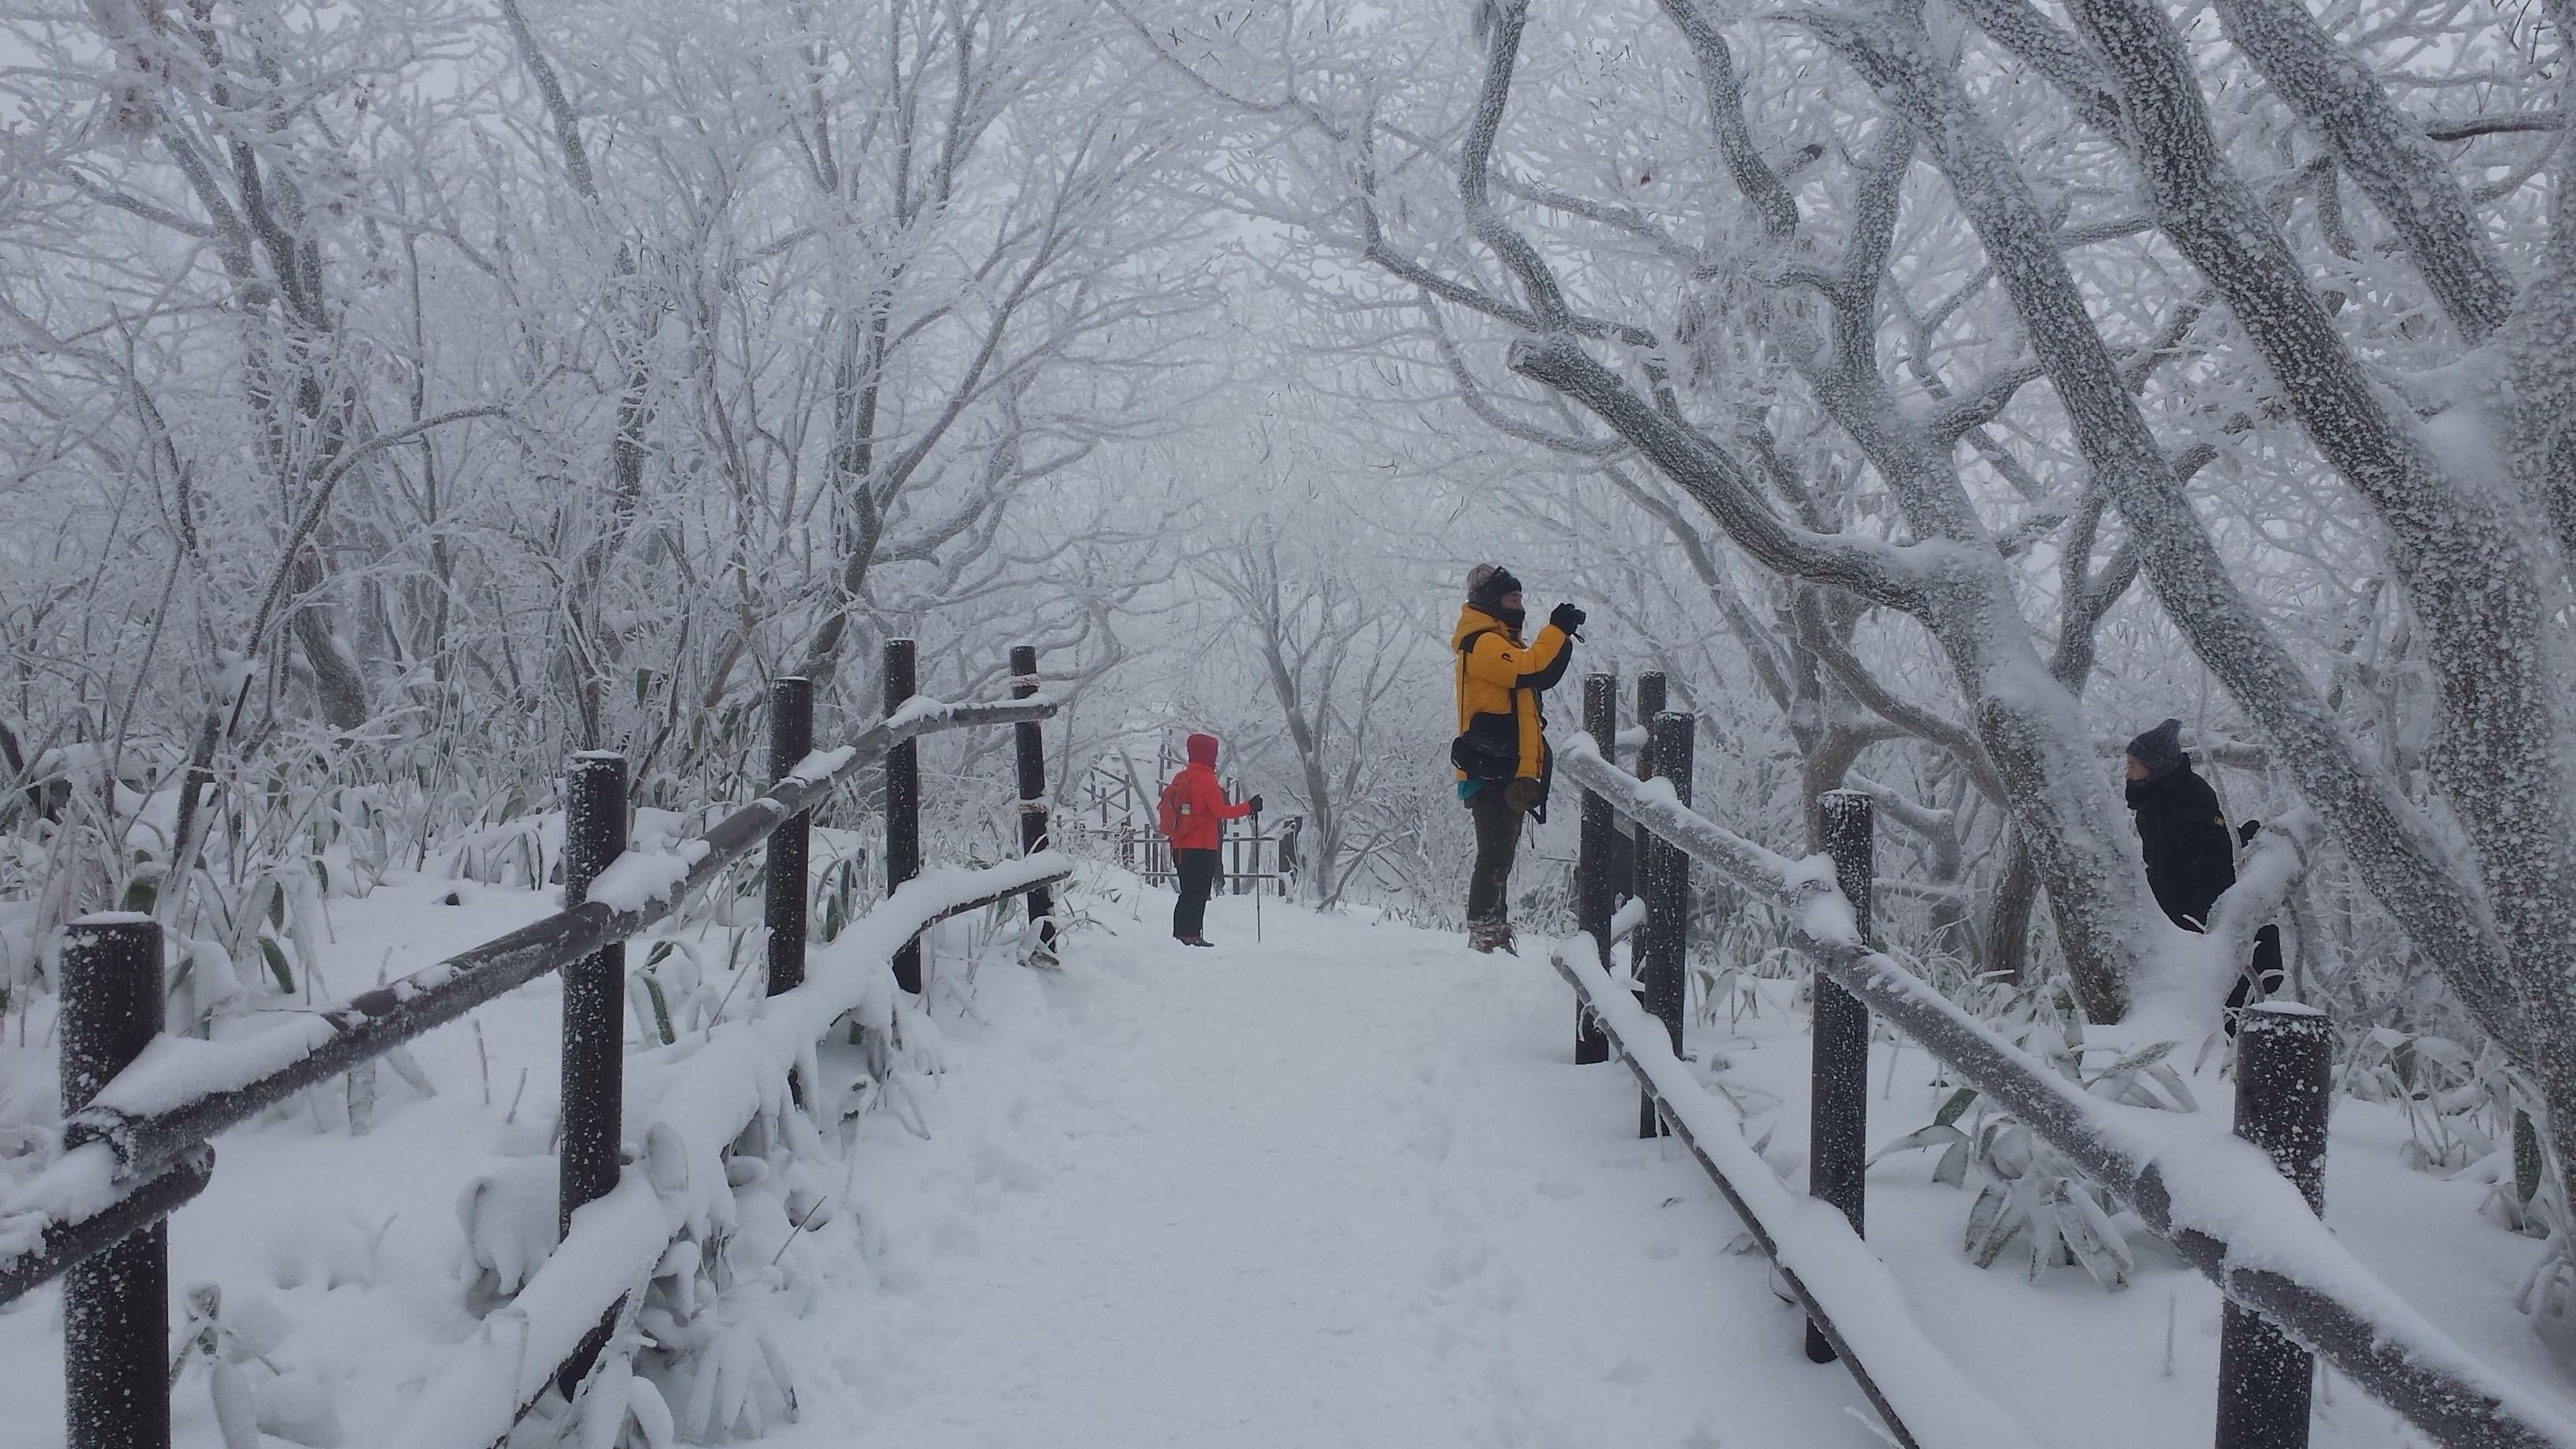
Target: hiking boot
(1490,936)
(1198,941)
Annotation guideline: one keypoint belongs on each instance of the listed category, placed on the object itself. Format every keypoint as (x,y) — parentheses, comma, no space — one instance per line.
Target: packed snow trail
(1344,1188)
(1341,1189)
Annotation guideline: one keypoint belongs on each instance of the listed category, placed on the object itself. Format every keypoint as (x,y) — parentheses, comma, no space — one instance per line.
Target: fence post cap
(592,757)
(102,919)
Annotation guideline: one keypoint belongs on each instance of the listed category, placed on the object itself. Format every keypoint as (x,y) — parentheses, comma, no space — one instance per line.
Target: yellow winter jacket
(1499,678)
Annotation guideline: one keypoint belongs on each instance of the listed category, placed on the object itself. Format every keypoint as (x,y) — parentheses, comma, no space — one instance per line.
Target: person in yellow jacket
(1501,753)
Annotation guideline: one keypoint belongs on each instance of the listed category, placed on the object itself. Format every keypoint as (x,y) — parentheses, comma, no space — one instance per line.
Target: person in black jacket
(2190,852)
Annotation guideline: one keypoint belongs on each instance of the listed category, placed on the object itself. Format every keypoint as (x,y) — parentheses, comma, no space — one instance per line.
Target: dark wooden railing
(2242,1212)
(1254,857)
(141,1108)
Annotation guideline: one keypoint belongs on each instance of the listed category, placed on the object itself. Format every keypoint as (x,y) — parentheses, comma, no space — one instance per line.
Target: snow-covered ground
(1343,1187)
(2135,1368)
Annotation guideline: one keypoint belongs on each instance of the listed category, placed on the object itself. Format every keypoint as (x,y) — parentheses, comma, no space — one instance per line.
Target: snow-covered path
(1345,1189)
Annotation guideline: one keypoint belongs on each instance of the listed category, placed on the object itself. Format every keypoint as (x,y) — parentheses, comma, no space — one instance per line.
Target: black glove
(1566,617)
(1255,802)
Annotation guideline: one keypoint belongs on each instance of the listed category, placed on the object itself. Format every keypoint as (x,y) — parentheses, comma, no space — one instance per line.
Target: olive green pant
(1498,839)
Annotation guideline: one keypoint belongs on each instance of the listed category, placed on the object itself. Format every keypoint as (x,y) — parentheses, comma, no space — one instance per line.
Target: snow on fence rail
(1846,1290)
(141,1106)
(2221,1201)
(739,1075)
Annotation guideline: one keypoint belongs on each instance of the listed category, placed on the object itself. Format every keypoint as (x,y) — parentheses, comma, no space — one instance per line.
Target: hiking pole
(1256,877)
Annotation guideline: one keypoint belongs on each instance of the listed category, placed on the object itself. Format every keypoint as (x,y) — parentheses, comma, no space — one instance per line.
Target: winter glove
(1255,802)
(1566,617)
(1523,795)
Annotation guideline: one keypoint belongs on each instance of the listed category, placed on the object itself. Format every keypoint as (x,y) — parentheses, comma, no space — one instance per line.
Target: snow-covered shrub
(235,1346)
(510,1217)
(697,1356)
(2446,1090)
(681,988)
(2030,1193)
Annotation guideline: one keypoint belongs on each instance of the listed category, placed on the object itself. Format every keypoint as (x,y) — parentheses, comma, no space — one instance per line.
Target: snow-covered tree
(2040,288)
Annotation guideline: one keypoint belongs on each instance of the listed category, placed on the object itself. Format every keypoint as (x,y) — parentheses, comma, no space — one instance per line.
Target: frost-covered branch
(1482,404)
(1911,718)
(2384,151)
(1877,571)
(2389,841)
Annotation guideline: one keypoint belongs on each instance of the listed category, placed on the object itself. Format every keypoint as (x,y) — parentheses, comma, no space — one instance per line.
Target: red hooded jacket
(1198,800)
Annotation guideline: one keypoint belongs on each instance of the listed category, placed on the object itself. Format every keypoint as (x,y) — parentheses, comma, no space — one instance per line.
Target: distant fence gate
(1252,856)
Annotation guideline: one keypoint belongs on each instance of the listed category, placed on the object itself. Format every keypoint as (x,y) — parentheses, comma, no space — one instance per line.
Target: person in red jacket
(1193,805)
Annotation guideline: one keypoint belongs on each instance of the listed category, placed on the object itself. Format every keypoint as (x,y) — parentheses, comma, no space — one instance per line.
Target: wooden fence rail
(142,1107)
(2242,1209)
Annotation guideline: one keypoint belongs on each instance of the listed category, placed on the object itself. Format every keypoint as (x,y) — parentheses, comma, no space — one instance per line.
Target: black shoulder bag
(1490,747)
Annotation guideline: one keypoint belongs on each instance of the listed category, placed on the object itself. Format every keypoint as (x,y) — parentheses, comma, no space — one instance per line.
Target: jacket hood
(1202,750)
(1471,619)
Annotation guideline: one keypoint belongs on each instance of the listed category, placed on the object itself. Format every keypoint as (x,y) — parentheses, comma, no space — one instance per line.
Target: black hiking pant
(1498,839)
(1198,881)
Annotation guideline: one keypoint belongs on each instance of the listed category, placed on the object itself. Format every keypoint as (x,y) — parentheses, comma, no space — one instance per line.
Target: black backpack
(1483,751)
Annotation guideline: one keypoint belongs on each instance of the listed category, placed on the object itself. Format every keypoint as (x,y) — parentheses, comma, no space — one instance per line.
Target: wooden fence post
(592,1124)
(1667,893)
(116,1302)
(594,993)
(785,888)
(1650,703)
(902,804)
(1033,809)
(2284,1086)
(1592,856)
(1838,1104)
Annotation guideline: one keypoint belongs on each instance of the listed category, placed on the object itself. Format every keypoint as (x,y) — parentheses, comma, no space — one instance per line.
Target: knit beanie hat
(2159,749)
(1488,583)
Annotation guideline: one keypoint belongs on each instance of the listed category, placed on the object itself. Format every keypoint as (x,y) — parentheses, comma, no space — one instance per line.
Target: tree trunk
(2008,913)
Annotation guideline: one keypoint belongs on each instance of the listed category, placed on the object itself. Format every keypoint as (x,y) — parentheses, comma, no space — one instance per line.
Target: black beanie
(2159,749)
(1487,584)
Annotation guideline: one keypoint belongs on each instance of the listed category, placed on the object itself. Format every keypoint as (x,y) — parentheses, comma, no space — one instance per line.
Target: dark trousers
(1498,839)
(2266,968)
(1198,881)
